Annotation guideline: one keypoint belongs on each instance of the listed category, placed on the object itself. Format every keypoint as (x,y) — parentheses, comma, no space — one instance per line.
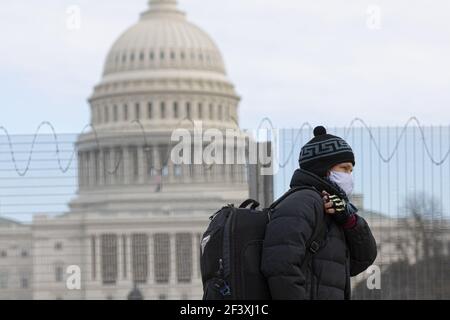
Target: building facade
(137,217)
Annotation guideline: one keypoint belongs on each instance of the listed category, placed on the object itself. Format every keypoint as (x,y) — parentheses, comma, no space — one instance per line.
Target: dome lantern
(163,7)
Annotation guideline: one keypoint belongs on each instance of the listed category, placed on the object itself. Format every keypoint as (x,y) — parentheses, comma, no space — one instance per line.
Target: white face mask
(344,180)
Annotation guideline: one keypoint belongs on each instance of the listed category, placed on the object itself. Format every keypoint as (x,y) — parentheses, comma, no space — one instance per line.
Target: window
(152,56)
(3,254)
(4,278)
(132,57)
(200,111)
(176,114)
(177,170)
(109,258)
(139,245)
(162,258)
(137,111)
(161,55)
(188,111)
(150,162)
(124,58)
(150,110)
(24,253)
(24,282)
(172,55)
(106,114)
(125,113)
(58,246)
(135,162)
(182,56)
(184,257)
(165,171)
(115,114)
(163,110)
(59,273)
(141,56)
(99,114)
(162,297)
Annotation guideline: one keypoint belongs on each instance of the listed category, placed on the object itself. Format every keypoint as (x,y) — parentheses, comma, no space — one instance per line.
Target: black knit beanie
(323,152)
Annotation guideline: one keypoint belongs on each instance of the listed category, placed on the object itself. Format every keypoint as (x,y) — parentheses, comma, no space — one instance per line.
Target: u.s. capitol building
(137,218)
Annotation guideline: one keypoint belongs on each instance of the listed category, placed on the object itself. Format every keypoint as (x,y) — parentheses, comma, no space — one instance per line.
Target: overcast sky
(322,61)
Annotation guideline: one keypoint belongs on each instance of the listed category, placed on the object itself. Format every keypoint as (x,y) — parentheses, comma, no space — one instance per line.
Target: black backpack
(231,251)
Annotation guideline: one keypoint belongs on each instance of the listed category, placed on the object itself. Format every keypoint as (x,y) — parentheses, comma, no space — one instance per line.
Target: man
(348,248)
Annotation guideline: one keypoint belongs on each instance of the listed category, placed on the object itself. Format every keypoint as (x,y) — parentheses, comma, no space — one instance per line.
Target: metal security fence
(402,189)
(52,246)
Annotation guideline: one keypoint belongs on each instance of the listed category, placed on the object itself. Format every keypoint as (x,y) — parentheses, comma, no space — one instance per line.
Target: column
(173,260)
(151,260)
(119,258)
(129,258)
(98,258)
(141,164)
(195,262)
(126,165)
(101,170)
(80,169)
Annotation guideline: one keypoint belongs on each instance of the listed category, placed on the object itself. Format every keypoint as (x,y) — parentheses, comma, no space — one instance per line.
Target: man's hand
(333,204)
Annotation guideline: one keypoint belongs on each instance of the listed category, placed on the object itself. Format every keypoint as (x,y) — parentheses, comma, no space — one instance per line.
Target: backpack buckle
(223,288)
(314,247)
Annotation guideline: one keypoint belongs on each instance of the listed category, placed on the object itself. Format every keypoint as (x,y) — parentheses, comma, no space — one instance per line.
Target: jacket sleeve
(362,246)
(291,225)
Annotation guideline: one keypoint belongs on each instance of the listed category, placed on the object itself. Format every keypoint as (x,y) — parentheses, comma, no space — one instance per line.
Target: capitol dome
(163,73)
(164,39)
(160,71)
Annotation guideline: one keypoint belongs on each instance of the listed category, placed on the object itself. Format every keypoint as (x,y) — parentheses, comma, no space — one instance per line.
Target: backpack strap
(315,242)
(288,193)
(246,203)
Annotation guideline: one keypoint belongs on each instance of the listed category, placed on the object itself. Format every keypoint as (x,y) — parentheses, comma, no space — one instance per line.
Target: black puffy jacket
(344,253)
